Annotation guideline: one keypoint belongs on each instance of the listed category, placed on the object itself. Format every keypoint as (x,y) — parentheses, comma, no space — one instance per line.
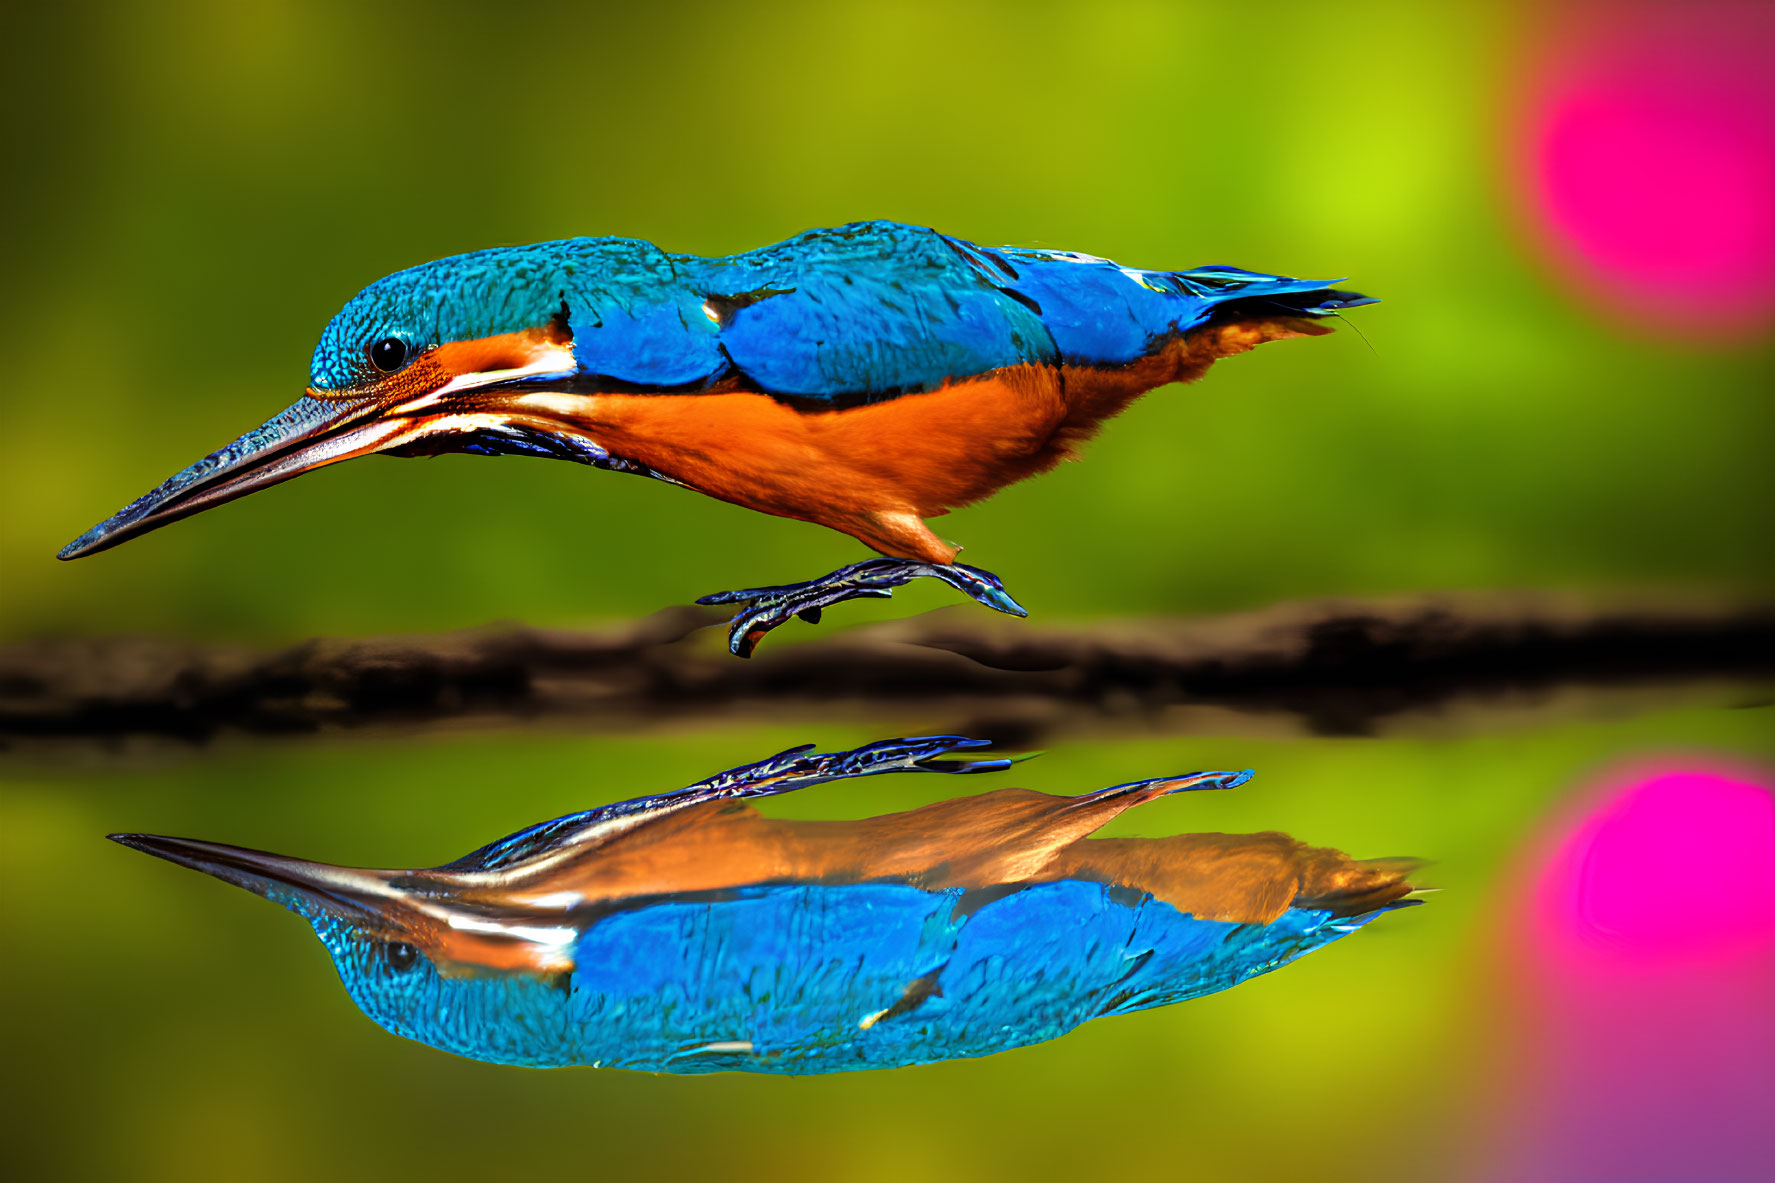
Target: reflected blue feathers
(501,1018)
(902,976)
(723,940)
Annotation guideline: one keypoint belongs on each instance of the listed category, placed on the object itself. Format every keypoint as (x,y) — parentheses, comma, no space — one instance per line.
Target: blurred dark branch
(1336,668)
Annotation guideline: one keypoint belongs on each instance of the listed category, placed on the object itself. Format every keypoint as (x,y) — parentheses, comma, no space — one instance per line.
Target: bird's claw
(768,607)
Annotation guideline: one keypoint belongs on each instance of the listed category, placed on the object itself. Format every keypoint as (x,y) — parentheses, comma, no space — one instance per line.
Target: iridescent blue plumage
(896,976)
(687,933)
(847,315)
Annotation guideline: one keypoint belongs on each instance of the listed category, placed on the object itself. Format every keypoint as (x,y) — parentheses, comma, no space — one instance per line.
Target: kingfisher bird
(864,378)
(689,933)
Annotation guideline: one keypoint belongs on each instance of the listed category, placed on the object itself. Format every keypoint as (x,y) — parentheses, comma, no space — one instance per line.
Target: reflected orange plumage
(1004,838)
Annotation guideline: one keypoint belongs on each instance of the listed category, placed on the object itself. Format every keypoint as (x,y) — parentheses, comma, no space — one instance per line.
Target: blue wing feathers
(875,308)
(882,308)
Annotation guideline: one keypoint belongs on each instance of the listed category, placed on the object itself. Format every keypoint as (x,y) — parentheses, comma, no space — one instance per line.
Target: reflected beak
(310,435)
(297,884)
(458,937)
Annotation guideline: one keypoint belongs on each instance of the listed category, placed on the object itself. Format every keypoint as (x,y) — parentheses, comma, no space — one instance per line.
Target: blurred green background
(203,185)
(195,187)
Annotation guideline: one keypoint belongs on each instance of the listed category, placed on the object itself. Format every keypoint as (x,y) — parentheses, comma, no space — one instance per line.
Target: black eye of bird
(388,354)
(402,956)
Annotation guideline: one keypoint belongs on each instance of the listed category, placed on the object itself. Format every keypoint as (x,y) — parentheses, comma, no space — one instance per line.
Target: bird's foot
(767,607)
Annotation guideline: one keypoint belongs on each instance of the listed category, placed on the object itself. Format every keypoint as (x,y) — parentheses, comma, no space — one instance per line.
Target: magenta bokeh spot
(1652,161)
(1665,184)
(1675,868)
(1649,971)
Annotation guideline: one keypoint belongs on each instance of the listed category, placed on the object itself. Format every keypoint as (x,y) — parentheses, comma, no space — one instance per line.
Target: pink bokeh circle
(1650,158)
(1675,868)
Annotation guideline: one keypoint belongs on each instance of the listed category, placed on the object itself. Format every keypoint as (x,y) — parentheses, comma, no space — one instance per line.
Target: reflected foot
(768,607)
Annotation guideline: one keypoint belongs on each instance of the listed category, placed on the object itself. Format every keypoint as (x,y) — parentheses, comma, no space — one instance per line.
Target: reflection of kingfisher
(864,378)
(689,933)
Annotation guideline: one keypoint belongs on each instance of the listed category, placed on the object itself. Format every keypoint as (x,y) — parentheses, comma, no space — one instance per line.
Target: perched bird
(865,378)
(689,933)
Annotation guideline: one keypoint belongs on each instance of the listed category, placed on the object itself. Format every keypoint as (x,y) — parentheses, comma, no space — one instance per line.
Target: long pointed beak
(312,433)
(297,884)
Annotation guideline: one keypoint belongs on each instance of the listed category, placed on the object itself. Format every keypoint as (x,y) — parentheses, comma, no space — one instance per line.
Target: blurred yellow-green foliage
(195,186)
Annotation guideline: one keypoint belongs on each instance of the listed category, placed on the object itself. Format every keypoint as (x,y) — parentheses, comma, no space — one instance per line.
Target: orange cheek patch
(507,351)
